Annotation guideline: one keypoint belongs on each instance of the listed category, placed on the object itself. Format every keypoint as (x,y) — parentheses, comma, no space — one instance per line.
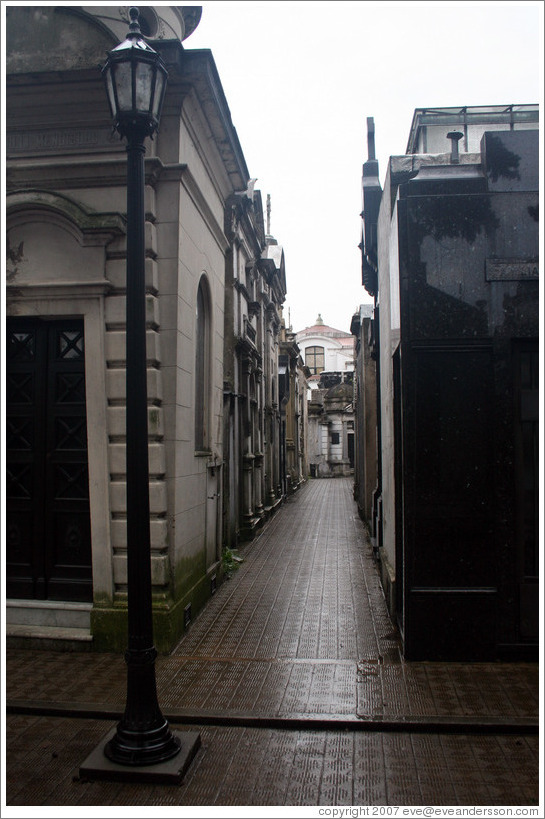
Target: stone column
(258,447)
(248,455)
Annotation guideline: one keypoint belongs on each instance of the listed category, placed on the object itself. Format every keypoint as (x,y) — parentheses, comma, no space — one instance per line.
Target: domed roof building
(329,355)
(325,349)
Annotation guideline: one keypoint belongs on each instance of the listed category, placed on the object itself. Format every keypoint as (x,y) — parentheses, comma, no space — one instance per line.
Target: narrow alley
(293,676)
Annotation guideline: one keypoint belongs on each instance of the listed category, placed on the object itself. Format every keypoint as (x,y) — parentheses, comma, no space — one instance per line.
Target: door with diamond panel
(48,533)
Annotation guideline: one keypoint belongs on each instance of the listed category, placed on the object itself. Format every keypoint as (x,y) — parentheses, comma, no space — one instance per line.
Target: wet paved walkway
(293,676)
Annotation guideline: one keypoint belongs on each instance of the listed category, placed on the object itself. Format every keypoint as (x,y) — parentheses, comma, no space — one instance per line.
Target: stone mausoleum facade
(214,296)
(451,258)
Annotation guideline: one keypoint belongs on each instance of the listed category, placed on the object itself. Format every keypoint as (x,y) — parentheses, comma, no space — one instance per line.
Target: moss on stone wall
(109,624)
(188,573)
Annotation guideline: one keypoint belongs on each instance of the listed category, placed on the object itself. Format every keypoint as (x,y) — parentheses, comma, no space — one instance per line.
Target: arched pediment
(64,38)
(87,223)
(51,238)
(54,38)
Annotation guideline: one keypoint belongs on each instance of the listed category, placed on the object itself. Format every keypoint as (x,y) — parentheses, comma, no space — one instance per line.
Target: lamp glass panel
(123,82)
(144,85)
(159,83)
(110,90)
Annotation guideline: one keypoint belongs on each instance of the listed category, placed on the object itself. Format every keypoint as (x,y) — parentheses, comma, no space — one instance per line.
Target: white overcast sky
(301,78)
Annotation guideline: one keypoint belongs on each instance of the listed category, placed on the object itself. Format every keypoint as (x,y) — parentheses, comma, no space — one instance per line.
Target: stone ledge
(47,633)
(48,614)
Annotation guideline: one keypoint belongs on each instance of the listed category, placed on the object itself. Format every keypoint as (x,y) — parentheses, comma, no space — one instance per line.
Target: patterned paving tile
(302,628)
(260,766)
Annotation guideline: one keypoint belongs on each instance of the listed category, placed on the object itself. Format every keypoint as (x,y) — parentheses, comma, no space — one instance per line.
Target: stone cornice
(272,314)
(247,348)
(96,228)
(54,290)
(75,172)
(67,173)
(195,69)
(191,186)
(238,285)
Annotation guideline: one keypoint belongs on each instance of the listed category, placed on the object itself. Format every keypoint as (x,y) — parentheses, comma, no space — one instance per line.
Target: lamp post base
(170,772)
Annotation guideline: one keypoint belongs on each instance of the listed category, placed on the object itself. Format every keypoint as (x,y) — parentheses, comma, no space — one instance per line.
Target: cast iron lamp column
(136,81)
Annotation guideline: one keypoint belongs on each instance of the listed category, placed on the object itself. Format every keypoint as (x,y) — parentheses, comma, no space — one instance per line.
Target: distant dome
(322,329)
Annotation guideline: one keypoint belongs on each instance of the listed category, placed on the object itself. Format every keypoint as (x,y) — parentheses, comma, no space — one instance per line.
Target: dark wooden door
(527,476)
(48,536)
(350,443)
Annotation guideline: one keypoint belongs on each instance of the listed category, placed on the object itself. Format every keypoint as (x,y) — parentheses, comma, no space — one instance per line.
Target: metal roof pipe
(455,137)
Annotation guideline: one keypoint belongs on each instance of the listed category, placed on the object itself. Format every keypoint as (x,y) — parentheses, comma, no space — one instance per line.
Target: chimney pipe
(371,138)
(455,137)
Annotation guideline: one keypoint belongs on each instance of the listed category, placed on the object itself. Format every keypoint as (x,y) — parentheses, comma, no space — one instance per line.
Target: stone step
(53,638)
(48,613)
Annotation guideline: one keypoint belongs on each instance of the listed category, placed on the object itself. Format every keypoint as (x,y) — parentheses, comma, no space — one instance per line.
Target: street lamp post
(135,78)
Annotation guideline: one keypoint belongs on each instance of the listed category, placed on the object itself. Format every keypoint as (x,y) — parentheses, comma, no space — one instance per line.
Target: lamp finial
(134,27)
